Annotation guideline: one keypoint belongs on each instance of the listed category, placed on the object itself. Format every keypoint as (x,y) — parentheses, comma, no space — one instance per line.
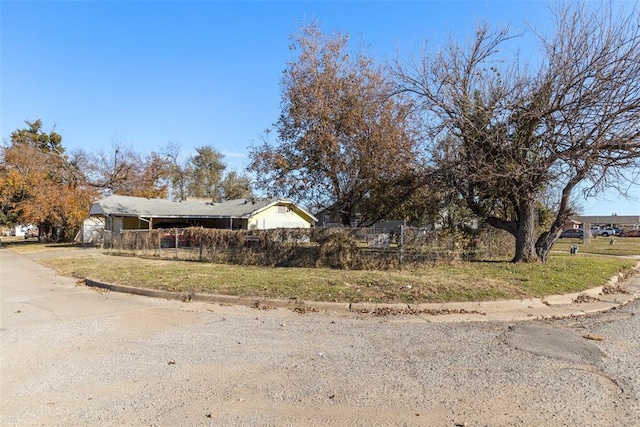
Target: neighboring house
(19,230)
(572,224)
(621,221)
(133,213)
(27,230)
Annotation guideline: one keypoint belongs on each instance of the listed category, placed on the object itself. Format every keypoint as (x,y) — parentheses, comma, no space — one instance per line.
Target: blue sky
(147,73)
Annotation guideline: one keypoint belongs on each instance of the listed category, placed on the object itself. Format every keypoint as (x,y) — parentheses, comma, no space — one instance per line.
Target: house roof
(139,206)
(162,208)
(609,219)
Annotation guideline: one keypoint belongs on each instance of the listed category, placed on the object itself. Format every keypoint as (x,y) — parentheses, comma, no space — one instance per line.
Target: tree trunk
(346,219)
(544,244)
(523,230)
(525,234)
(549,238)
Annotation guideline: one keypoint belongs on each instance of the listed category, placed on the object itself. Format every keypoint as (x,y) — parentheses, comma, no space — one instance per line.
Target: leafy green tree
(205,171)
(34,136)
(235,186)
(202,175)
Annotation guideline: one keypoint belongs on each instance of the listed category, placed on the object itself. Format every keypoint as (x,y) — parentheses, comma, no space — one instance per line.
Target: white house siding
(278,217)
(91,230)
(19,230)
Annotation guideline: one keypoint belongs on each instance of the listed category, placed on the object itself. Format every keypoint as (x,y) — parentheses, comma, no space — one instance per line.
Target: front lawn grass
(26,246)
(460,281)
(622,246)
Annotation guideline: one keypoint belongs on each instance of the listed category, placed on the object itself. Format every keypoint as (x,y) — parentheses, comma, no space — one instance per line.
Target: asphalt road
(74,355)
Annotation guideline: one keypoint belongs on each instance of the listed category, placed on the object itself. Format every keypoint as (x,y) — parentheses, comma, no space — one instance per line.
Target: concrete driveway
(74,355)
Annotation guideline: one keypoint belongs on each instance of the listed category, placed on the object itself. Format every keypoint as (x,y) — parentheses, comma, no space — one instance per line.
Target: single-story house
(25,230)
(621,221)
(134,213)
(18,230)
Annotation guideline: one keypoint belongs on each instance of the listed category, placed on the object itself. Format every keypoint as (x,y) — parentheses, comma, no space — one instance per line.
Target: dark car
(573,233)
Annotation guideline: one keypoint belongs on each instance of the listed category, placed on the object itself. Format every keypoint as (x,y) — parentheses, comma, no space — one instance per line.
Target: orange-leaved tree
(345,145)
(41,185)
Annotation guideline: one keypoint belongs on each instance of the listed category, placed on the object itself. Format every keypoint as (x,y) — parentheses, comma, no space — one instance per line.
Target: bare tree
(504,134)
(179,176)
(123,171)
(109,171)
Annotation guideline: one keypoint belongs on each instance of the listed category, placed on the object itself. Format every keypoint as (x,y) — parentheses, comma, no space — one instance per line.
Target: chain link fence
(346,248)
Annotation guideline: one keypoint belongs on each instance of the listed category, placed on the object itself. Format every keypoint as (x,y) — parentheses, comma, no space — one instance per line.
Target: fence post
(401,245)
(200,247)
(490,245)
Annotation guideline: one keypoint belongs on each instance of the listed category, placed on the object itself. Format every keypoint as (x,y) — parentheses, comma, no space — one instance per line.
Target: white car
(606,232)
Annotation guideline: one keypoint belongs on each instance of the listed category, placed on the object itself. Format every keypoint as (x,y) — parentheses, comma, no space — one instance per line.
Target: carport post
(176,241)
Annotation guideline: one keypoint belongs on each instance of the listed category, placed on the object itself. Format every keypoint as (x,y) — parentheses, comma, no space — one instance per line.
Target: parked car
(169,239)
(574,233)
(630,233)
(606,232)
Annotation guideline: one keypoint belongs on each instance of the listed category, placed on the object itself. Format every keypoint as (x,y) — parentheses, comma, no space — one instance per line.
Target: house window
(282,209)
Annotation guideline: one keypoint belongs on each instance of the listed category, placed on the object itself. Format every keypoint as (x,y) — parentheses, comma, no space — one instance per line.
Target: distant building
(619,221)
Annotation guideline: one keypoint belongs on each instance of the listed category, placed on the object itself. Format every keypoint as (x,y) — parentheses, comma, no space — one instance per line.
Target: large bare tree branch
(505,134)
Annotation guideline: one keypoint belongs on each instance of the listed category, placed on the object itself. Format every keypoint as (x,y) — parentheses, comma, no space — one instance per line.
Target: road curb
(553,306)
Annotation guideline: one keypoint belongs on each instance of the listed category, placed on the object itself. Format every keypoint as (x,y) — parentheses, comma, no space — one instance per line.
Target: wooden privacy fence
(345,248)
